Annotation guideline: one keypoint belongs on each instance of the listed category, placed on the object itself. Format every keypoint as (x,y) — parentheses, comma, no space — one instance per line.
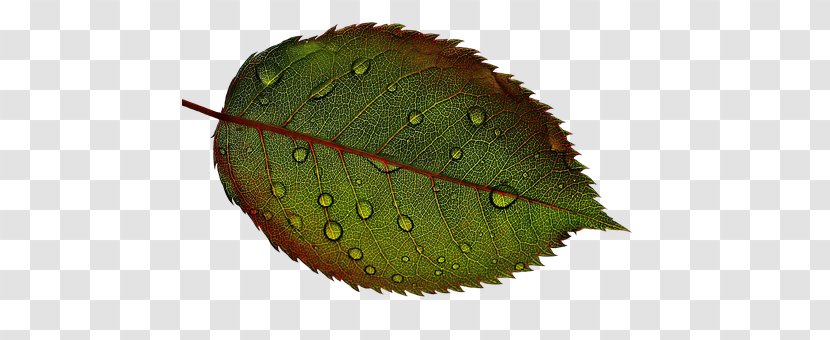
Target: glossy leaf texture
(393,160)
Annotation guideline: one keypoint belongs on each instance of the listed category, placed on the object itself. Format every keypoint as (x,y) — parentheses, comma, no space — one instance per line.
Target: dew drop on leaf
(278,189)
(441,259)
(364,209)
(252,212)
(415,117)
(360,65)
(465,247)
(295,221)
(369,270)
(455,266)
(405,223)
(519,266)
(501,200)
(392,87)
(268,73)
(322,90)
(358,182)
(325,200)
(476,115)
(405,258)
(397,278)
(300,154)
(355,254)
(497,132)
(456,153)
(438,272)
(333,230)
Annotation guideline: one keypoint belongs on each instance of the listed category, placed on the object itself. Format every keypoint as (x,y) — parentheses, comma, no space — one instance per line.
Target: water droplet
(267,215)
(405,258)
(268,73)
(360,65)
(323,89)
(355,254)
(465,247)
(300,154)
(392,87)
(501,200)
(519,266)
(497,132)
(494,261)
(278,189)
(525,174)
(383,167)
(397,278)
(263,100)
(419,249)
(369,270)
(560,186)
(325,200)
(415,117)
(252,212)
(455,266)
(438,272)
(441,259)
(295,221)
(358,182)
(456,153)
(333,230)
(476,115)
(364,209)
(405,223)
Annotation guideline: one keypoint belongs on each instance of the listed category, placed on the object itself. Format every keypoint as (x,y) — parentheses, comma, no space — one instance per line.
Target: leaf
(393,160)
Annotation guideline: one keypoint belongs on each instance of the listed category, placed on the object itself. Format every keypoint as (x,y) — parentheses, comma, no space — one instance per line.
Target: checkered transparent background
(705,124)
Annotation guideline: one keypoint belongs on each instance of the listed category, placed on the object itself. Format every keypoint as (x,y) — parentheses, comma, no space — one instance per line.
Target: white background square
(198,15)
(585,45)
(734,15)
(74,14)
(704,45)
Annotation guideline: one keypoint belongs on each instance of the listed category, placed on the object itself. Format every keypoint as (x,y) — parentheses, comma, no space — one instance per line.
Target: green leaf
(393,160)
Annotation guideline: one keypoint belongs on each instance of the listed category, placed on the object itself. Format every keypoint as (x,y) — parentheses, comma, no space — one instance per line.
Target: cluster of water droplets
(359,67)
(501,197)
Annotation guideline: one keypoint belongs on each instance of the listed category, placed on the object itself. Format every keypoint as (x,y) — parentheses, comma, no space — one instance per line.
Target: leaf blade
(445,180)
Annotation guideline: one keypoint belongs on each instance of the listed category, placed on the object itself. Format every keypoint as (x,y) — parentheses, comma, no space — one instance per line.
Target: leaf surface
(393,160)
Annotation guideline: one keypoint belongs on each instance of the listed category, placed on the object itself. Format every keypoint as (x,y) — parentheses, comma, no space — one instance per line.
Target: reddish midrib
(316,140)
